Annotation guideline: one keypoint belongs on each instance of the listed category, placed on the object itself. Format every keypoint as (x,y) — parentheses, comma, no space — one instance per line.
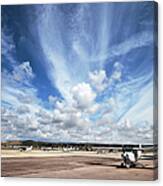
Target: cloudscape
(78,72)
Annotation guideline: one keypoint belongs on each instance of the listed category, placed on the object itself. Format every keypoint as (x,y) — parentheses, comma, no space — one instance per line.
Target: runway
(77,166)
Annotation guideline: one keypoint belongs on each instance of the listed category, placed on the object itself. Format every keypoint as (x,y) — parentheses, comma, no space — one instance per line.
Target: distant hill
(26,143)
(12,143)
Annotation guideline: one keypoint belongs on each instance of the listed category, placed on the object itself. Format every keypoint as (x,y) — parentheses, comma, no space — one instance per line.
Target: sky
(78,72)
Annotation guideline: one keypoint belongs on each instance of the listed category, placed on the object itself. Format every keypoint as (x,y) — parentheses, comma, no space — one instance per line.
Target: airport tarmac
(77,165)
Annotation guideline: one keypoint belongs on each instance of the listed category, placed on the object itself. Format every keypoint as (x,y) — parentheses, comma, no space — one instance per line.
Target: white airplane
(25,148)
(131,156)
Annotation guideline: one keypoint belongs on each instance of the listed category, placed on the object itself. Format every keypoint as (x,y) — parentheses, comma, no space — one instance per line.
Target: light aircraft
(25,148)
(130,156)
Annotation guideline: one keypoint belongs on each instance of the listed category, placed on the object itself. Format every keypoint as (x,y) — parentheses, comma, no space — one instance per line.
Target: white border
(52,182)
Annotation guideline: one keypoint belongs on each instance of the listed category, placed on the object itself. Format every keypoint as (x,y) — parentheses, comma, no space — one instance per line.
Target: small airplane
(25,148)
(130,156)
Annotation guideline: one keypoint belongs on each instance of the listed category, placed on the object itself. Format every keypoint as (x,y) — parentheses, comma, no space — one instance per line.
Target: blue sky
(78,72)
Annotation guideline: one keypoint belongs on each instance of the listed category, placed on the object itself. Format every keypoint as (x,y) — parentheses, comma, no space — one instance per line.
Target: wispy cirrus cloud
(8,46)
(135,41)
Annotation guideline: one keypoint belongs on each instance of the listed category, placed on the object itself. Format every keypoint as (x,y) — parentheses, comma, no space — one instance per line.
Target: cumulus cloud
(82,119)
(71,121)
(23,109)
(93,108)
(52,99)
(70,116)
(75,120)
(83,95)
(134,132)
(20,102)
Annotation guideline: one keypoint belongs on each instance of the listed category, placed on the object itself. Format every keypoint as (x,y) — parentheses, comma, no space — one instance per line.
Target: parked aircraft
(25,148)
(130,156)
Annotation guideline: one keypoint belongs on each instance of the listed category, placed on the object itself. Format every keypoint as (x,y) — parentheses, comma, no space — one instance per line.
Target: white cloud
(23,73)
(61,105)
(143,107)
(23,109)
(83,95)
(128,131)
(76,120)
(135,41)
(8,46)
(98,80)
(52,99)
(138,40)
(93,108)
(71,120)
(117,73)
